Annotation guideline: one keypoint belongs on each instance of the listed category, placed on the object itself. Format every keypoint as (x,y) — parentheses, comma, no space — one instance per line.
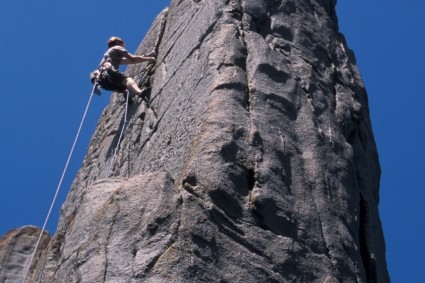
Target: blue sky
(49,47)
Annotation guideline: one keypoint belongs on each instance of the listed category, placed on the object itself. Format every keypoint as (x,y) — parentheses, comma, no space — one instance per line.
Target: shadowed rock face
(255,161)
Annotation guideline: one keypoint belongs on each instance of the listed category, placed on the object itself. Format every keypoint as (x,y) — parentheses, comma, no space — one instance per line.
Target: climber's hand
(151,59)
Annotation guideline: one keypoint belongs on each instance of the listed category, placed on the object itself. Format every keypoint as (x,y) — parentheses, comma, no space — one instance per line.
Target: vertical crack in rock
(112,204)
(254,138)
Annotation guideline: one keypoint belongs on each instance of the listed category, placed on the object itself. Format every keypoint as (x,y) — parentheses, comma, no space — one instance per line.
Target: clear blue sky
(49,47)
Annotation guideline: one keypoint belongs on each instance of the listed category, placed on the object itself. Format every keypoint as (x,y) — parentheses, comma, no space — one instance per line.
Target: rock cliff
(254,162)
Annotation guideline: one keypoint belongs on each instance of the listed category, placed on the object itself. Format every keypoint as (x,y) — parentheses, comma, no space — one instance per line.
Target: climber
(108,75)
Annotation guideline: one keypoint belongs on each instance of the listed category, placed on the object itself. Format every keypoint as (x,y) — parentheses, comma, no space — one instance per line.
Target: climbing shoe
(143,95)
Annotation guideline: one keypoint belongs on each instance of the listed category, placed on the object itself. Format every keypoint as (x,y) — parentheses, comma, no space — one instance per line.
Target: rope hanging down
(59,185)
(117,148)
(142,83)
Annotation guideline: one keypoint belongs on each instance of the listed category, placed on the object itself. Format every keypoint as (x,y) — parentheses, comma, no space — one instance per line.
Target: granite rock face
(255,161)
(16,249)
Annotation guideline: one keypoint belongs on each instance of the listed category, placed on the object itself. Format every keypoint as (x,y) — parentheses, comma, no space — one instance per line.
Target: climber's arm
(134,59)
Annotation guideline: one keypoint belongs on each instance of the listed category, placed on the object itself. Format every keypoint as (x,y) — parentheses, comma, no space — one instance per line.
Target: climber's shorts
(117,78)
(113,80)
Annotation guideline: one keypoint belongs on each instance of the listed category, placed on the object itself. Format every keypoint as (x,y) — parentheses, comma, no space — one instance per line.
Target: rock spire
(254,162)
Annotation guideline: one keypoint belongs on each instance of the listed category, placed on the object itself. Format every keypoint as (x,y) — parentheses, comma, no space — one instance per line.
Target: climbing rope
(117,148)
(59,185)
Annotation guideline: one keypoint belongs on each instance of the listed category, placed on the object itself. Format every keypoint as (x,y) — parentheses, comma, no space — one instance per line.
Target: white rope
(59,185)
(117,147)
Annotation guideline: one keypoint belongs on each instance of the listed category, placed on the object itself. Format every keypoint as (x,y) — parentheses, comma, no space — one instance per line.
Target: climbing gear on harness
(95,79)
(108,78)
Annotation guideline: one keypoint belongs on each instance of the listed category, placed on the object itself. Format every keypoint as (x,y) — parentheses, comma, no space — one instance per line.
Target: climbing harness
(60,183)
(102,75)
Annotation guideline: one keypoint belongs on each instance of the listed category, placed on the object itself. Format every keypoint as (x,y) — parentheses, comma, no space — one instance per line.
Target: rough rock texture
(16,248)
(255,161)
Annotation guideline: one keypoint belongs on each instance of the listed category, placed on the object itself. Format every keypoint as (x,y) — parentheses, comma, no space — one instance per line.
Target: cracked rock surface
(16,248)
(254,162)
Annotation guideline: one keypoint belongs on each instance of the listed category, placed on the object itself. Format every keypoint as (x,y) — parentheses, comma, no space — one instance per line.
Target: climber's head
(115,40)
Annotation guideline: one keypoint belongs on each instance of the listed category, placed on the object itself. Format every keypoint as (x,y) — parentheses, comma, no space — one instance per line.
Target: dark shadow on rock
(270,217)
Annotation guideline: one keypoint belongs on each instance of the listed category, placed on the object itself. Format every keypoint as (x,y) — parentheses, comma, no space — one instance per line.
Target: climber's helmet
(115,40)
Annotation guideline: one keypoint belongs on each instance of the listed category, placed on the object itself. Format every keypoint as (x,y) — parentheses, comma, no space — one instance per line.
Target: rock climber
(108,75)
